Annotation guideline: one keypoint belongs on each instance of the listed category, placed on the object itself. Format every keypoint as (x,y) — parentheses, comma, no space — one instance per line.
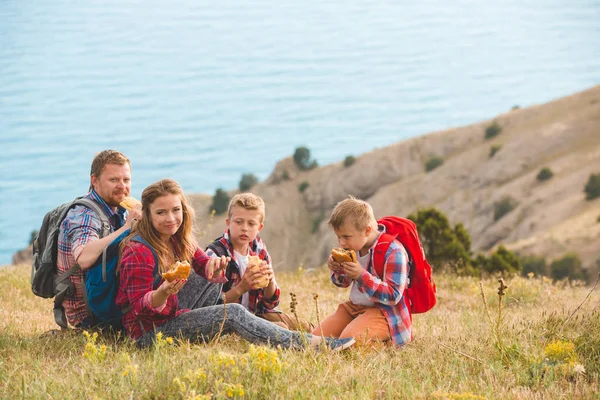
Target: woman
(166,231)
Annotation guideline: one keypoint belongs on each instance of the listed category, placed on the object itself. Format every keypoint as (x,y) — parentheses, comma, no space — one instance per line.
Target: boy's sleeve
(340,279)
(269,303)
(390,290)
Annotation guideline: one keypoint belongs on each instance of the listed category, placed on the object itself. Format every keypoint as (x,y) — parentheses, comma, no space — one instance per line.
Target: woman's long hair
(184,241)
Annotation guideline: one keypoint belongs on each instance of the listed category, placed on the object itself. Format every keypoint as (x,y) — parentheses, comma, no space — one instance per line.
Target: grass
(533,342)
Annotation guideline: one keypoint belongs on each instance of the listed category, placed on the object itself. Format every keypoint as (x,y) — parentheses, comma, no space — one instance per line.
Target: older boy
(376,309)
(245,218)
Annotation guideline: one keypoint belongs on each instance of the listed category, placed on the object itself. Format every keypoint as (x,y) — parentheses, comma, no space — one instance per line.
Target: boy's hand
(334,265)
(267,270)
(250,278)
(353,270)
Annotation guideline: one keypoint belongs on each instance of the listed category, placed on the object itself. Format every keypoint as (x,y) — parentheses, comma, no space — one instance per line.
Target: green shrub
(592,187)
(220,201)
(534,264)
(502,261)
(494,149)
(302,186)
(302,158)
(544,174)
(433,163)
(285,175)
(349,160)
(247,181)
(444,246)
(492,130)
(598,219)
(503,207)
(516,107)
(569,267)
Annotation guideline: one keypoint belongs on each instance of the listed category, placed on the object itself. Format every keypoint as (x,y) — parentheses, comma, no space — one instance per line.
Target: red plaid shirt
(136,285)
(257,302)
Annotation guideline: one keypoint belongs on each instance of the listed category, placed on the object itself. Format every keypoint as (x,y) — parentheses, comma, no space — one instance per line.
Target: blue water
(203,91)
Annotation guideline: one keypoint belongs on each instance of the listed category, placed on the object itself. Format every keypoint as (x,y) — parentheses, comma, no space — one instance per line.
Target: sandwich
(179,270)
(342,255)
(254,263)
(129,203)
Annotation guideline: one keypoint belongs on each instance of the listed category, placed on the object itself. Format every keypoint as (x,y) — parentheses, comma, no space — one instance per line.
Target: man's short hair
(249,201)
(353,210)
(108,157)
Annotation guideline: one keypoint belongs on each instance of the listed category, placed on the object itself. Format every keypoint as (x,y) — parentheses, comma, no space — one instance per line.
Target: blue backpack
(102,284)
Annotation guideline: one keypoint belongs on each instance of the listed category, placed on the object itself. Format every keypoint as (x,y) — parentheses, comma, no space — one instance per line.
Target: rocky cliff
(551,217)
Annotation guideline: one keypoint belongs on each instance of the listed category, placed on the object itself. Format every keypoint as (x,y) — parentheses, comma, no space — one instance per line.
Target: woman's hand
(216,265)
(166,289)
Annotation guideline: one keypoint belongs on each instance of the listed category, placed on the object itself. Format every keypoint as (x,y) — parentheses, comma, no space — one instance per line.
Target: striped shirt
(80,227)
(386,292)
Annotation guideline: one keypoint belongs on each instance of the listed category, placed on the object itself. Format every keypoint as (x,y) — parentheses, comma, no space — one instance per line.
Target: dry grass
(456,354)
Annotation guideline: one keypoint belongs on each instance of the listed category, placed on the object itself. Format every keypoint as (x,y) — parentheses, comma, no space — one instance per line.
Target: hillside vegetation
(488,181)
(541,341)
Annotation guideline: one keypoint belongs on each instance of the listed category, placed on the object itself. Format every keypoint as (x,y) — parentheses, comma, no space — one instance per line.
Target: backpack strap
(62,284)
(383,244)
(157,275)
(218,247)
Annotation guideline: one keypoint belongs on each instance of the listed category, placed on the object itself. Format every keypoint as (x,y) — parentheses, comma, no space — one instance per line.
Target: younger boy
(244,220)
(376,309)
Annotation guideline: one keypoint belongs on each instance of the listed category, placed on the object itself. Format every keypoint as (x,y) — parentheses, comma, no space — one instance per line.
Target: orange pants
(361,322)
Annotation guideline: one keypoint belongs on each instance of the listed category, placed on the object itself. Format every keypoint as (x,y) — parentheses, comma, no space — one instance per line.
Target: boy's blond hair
(354,210)
(249,201)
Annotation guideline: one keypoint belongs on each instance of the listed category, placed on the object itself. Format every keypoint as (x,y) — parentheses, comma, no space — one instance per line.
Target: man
(79,239)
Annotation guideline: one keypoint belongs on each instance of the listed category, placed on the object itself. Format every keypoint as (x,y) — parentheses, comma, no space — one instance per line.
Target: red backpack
(420,291)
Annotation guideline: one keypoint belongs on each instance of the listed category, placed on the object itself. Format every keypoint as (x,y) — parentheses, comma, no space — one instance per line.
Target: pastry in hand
(342,255)
(179,270)
(129,203)
(253,263)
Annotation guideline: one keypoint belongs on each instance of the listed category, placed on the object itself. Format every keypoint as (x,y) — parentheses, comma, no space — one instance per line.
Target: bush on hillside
(534,264)
(220,202)
(302,186)
(492,130)
(592,187)
(247,181)
(285,175)
(444,246)
(349,160)
(502,261)
(302,158)
(568,267)
(504,206)
(494,149)
(544,174)
(433,163)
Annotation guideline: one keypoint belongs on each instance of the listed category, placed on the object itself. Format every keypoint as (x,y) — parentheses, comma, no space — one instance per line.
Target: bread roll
(179,270)
(254,263)
(129,203)
(342,255)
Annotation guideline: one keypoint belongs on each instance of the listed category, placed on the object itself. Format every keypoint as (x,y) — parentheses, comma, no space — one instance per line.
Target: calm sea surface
(203,91)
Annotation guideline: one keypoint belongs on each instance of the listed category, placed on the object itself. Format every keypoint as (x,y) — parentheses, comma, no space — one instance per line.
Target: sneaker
(338,344)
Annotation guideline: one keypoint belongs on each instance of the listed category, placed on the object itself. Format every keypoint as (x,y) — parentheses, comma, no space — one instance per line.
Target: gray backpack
(45,280)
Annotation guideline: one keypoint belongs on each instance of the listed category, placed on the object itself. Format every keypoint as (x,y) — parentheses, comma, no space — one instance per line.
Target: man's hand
(216,266)
(352,270)
(133,215)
